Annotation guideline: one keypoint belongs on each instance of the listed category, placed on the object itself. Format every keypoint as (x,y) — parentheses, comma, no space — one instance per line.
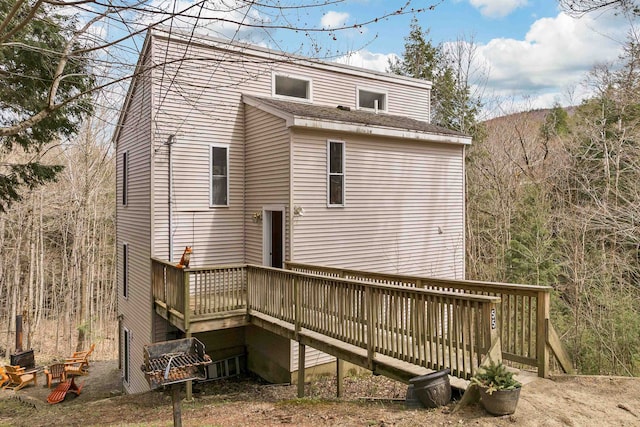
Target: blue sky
(528,53)
(531,52)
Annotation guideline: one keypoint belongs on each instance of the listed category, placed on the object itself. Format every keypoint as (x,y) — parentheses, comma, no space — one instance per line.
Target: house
(253,156)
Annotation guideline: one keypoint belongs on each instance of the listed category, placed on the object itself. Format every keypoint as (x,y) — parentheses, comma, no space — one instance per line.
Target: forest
(553,198)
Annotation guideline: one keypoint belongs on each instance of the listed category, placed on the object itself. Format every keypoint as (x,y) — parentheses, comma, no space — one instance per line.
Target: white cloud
(556,54)
(334,19)
(368,60)
(497,8)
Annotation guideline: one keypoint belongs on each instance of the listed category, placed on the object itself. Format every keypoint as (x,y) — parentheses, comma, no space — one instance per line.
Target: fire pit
(172,363)
(176,361)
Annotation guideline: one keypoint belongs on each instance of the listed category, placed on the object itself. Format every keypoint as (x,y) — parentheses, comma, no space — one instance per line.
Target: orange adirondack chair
(55,371)
(3,376)
(78,363)
(18,378)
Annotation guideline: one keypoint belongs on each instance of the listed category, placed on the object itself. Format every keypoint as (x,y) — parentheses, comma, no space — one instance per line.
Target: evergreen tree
(34,61)
(452,104)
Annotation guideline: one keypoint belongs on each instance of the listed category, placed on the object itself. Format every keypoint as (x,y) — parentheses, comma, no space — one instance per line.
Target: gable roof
(343,119)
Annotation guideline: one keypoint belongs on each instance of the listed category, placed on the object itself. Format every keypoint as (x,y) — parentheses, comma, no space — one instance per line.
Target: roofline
(266,53)
(297,121)
(303,122)
(127,100)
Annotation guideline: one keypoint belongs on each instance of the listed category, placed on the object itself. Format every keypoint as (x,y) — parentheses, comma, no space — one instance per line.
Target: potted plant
(499,391)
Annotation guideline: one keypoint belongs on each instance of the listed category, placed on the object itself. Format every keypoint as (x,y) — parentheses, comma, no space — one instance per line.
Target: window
(125,270)
(125,178)
(335,172)
(293,87)
(219,175)
(372,100)
(126,356)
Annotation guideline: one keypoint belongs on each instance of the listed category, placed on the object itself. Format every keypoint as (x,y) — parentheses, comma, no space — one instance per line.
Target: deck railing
(436,323)
(206,290)
(523,313)
(434,329)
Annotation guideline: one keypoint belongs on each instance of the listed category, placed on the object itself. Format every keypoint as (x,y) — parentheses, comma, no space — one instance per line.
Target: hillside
(560,401)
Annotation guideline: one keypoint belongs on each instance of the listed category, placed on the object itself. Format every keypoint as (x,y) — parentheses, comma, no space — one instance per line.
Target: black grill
(176,361)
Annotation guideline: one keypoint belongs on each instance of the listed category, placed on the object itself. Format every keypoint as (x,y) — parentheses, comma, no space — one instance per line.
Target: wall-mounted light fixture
(298,211)
(257,216)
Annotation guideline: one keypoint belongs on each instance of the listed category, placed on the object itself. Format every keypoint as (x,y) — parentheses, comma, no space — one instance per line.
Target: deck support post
(301,356)
(340,377)
(542,318)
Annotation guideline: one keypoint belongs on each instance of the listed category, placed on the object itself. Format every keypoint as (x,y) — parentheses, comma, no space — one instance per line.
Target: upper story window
(219,192)
(291,86)
(372,99)
(125,178)
(335,173)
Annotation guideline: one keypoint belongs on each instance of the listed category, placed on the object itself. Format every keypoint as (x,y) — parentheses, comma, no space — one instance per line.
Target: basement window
(372,100)
(291,87)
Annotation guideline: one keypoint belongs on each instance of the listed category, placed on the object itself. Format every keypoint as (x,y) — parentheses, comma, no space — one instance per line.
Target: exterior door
(273,237)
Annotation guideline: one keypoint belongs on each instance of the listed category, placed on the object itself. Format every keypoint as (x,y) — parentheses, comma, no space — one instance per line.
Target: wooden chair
(78,364)
(3,376)
(55,372)
(82,354)
(18,378)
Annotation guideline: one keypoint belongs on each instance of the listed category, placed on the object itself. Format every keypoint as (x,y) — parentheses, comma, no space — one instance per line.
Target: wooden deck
(398,326)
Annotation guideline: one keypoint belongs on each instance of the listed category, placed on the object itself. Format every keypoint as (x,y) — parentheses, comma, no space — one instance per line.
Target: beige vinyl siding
(199,101)
(134,226)
(404,206)
(312,357)
(267,176)
(201,106)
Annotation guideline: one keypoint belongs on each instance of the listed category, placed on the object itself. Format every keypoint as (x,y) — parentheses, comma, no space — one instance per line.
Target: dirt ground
(368,401)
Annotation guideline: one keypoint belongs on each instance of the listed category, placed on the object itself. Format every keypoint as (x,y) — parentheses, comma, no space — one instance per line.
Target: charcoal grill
(172,363)
(176,361)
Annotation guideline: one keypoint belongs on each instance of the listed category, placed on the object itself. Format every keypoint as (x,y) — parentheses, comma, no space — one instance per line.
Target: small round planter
(432,390)
(500,402)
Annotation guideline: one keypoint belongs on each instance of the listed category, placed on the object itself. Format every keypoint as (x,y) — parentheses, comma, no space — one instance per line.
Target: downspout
(169,143)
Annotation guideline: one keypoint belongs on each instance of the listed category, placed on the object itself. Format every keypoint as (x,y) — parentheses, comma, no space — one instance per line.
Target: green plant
(495,377)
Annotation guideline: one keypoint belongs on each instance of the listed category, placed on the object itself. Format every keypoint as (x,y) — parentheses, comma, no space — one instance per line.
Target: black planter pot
(500,402)
(432,390)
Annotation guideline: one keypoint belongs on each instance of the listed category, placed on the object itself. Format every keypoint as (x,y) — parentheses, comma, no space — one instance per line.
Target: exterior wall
(268,355)
(224,343)
(267,176)
(404,206)
(134,227)
(199,101)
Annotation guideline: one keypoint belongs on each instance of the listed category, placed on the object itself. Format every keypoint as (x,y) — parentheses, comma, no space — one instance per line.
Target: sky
(529,54)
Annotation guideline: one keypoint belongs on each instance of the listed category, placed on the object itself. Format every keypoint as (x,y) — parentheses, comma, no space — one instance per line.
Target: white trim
(211,147)
(343,174)
(372,90)
(379,131)
(266,232)
(309,81)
